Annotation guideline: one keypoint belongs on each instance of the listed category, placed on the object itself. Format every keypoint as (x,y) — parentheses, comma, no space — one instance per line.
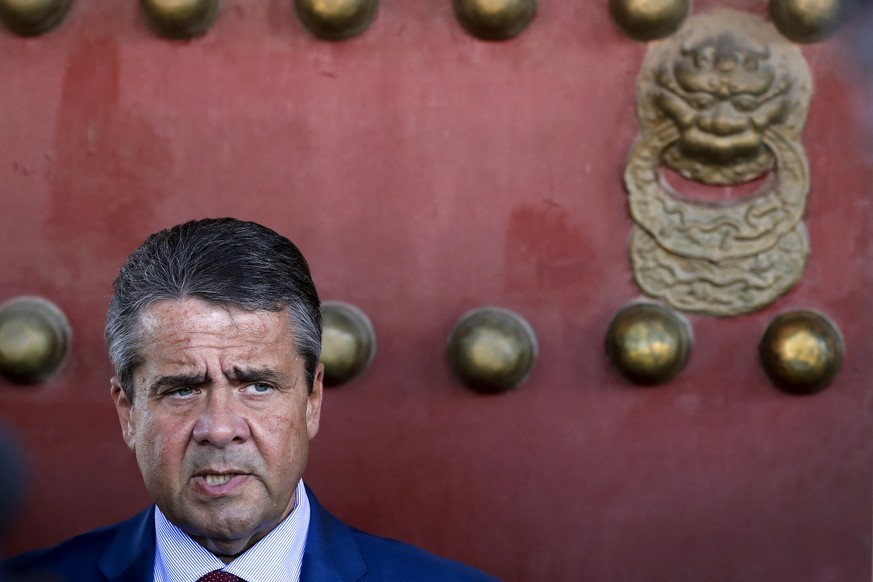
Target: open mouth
(694,191)
(217,479)
(219,484)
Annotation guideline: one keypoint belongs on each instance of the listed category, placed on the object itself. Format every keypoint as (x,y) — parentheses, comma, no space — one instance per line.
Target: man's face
(221,419)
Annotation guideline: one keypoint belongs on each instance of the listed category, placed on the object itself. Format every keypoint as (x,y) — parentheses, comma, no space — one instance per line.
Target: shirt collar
(277,557)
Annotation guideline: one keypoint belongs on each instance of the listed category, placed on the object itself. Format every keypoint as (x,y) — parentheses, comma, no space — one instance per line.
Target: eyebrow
(252,375)
(176,381)
(256,375)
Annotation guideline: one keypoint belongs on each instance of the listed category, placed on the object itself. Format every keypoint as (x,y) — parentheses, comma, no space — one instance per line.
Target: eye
(183,392)
(259,388)
(745,102)
(704,57)
(701,101)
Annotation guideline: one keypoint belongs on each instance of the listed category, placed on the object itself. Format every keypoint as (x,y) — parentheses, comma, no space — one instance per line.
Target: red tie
(219,576)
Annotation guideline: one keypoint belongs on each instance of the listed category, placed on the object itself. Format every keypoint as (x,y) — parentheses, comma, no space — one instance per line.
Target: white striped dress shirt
(277,557)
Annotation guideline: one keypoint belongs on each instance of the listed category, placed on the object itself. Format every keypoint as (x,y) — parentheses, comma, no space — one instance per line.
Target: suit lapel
(131,554)
(332,554)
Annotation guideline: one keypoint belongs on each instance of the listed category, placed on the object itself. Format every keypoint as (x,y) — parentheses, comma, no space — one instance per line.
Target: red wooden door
(424,172)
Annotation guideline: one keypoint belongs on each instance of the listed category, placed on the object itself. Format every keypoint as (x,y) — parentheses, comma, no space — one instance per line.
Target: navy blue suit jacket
(125,552)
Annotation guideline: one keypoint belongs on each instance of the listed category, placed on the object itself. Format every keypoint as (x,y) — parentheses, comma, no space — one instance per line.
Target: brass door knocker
(722,102)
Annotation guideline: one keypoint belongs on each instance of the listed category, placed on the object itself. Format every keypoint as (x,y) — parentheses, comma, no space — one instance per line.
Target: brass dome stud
(34,340)
(495,19)
(33,17)
(179,19)
(649,19)
(801,352)
(336,19)
(348,342)
(806,20)
(492,350)
(648,343)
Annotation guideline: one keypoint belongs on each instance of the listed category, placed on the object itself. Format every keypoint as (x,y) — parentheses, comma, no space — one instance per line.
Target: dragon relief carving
(722,102)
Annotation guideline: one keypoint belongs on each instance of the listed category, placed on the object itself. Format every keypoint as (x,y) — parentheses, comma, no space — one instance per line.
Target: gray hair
(223,261)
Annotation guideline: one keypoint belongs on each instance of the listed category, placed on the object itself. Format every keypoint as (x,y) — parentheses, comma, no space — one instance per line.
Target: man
(214,332)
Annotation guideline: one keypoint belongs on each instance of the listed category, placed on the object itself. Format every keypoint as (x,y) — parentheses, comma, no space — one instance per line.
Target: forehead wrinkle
(152,316)
(164,326)
(155,329)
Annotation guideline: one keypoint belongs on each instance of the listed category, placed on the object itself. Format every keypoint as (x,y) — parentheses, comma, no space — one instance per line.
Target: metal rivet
(34,339)
(33,17)
(495,19)
(806,20)
(492,350)
(179,19)
(348,342)
(801,351)
(648,343)
(336,19)
(648,19)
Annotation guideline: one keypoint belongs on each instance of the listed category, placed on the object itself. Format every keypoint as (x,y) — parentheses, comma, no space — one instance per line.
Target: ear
(124,408)
(313,402)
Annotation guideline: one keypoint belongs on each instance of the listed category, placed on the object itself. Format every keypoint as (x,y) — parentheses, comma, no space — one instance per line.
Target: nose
(723,121)
(221,422)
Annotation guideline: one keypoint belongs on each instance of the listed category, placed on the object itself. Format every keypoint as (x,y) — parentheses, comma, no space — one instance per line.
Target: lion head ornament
(722,102)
